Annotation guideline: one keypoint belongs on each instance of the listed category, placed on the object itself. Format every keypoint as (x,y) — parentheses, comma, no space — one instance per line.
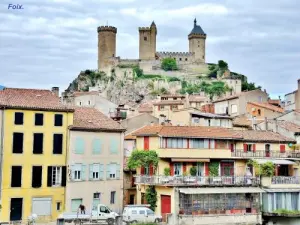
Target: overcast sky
(48,42)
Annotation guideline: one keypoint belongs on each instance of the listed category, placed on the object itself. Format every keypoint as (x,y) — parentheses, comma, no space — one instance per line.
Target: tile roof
(129,137)
(234,96)
(267,106)
(287,125)
(169,102)
(32,99)
(86,118)
(211,132)
(210,115)
(197,98)
(197,29)
(145,107)
(242,121)
(172,96)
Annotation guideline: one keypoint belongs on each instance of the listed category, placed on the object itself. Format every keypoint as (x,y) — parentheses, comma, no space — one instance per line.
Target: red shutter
(245,147)
(209,143)
(254,147)
(188,143)
(159,108)
(232,147)
(146,143)
(282,148)
(184,167)
(215,144)
(206,168)
(151,170)
(171,169)
(142,170)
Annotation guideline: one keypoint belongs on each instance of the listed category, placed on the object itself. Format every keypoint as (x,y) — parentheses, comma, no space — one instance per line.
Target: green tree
(140,158)
(222,65)
(137,71)
(169,64)
(216,89)
(151,197)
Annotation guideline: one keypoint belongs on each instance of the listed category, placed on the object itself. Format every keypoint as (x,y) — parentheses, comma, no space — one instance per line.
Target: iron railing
(198,181)
(265,154)
(285,180)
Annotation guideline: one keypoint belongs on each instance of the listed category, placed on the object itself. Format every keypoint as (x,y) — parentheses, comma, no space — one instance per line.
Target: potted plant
(193,171)
(267,171)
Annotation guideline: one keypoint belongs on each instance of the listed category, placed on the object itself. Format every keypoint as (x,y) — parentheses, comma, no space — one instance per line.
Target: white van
(139,213)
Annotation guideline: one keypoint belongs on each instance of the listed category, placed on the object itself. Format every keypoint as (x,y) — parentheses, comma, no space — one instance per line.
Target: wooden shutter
(146,143)
(142,170)
(206,168)
(96,146)
(172,169)
(184,167)
(64,176)
(91,167)
(118,171)
(101,171)
(79,145)
(282,148)
(49,176)
(151,170)
(107,171)
(254,147)
(245,147)
(83,169)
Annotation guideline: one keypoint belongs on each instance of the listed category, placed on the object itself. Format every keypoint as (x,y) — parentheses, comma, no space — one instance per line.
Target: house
(225,188)
(168,103)
(292,99)
(95,161)
(261,110)
(237,104)
(197,101)
(134,122)
(34,145)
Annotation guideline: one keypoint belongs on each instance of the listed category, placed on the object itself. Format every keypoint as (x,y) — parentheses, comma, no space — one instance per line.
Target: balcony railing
(198,181)
(265,154)
(285,180)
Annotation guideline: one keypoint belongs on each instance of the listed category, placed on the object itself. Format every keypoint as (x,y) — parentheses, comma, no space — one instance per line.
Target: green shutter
(114,146)
(79,145)
(101,171)
(91,172)
(107,171)
(118,171)
(96,146)
(75,204)
(72,172)
(83,169)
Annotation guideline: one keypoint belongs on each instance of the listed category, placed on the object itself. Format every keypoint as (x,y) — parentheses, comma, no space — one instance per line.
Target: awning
(275,161)
(189,160)
(281,190)
(233,190)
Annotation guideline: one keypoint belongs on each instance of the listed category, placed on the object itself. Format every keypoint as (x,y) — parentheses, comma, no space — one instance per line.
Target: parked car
(140,213)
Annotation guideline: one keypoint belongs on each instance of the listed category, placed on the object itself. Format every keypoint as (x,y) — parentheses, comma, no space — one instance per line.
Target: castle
(149,58)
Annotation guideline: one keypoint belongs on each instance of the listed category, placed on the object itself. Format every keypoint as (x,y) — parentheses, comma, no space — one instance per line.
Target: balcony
(197,181)
(265,154)
(285,180)
(194,153)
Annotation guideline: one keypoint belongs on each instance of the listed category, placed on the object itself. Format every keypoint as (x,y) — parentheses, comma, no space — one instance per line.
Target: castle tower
(197,42)
(147,48)
(106,45)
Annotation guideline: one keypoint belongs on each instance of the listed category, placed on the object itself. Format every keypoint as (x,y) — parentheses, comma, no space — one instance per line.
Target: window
(58,204)
(56,176)
(134,212)
(186,59)
(150,212)
(113,171)
(146,170)
(162,107)
(94,170)
(142,212)
(96,195)
(19,117)
(258,112)
(180,59)
(176,142)
(89,102)
(58,120)
(196,120)
(96,200)
(174,107)
(18,142)
(177,169)
(57,143)
(16,176)
(75,203)
(39,119)
(38,143)
(260,99)
(80,103)
(104,209)
(36,181)
(112,197)
(199,143)
(145,38)
(234,108)
(249,147)
(77,175)
(209,123)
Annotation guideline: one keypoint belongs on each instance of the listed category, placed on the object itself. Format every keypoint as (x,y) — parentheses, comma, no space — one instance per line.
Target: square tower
(197,39)
(147,48)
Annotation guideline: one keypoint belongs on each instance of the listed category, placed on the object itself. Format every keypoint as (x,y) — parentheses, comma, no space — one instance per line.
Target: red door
(146,143)
(227,169)
(165,206)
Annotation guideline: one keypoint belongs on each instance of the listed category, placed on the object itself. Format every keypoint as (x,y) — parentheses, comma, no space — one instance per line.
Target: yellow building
(34,140)
(220,157)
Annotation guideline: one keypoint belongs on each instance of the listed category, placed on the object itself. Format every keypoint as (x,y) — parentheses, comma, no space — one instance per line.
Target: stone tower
(106,45)
(147,47)
(197,42)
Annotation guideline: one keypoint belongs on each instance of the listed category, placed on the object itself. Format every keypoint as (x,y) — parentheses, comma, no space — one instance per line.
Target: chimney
(266,123)
(55,90)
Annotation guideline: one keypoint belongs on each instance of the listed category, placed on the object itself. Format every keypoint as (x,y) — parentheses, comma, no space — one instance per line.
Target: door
(267,150)
(131,199)
(200,169)
(227,172)
(283,170)
(16,205)
(146,143)
(165,206)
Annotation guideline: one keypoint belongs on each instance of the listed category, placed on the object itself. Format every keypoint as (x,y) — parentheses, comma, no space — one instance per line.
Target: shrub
(174,79)
(267,169)
(193,171)
(151,197)
(169,64)
(167,171)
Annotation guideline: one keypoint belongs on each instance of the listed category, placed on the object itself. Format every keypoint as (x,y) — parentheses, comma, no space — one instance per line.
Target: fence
(285,180)
(265,154)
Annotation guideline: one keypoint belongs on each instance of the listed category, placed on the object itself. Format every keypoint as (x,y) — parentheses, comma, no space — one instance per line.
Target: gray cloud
(49,42)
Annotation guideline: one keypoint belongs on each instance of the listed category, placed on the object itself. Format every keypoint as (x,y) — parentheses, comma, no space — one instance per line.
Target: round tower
(106,45)
(197,42)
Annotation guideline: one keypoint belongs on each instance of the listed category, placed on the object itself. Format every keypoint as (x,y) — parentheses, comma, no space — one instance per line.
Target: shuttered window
(97,146)
(79,145)
(75,203)
(114,146)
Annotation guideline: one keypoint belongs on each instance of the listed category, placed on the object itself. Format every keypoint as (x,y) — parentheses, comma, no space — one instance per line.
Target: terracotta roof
(287,125)
(32,99)
(86,118)
(242,121)
(211,132)
(197,98)
(267,106)
(169,102)
(82,93)
(129,137)
(211,115)
(172,96)
(145,107)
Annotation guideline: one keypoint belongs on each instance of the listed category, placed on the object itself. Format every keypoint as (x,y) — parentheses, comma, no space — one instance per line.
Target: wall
(290,103)
(197,45)
(106,48)
(1,148)
(27,159)
(293,117)
(75,189)
(251,96)
(270,114)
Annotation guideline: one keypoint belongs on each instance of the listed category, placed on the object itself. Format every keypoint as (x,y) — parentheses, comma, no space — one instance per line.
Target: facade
(292,100)
(261,110)
(34,151)
(224,185)
(237,104)
(95,161)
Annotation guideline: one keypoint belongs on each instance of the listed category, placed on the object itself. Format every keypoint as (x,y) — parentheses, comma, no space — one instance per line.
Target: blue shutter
(72,172)
(114,146)
(96,146)
(83,169)
(91,172)
(107,171)
(79,145)
(101,171)
(118,171)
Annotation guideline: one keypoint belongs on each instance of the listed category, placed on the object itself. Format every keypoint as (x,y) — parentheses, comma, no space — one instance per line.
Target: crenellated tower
(147,45)
(106,45)
(197,42)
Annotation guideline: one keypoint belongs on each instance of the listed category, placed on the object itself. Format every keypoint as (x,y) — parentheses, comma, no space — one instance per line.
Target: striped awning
(276,161)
